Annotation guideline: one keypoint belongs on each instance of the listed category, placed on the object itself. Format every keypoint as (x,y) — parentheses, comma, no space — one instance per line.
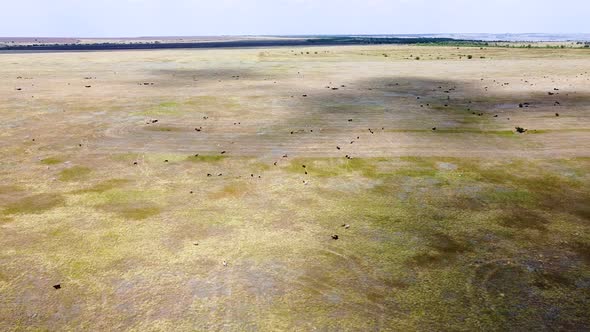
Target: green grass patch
(130,204)
(416,172)
(206,158)
(126,157)
(104,186)
(420,161)
(259,167)
(35,204)
(506,195)
(74,173)
(330,167)
(51,161)
(168,104)
(163,108)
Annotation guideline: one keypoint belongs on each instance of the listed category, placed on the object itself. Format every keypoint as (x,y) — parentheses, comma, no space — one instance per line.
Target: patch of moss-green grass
(74,173)
(35,204)
(206,158)
(51,161)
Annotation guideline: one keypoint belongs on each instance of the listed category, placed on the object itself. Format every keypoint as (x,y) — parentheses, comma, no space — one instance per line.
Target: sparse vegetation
(363,191)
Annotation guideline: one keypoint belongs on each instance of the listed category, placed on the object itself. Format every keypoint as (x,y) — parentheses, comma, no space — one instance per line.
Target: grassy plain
(471,226)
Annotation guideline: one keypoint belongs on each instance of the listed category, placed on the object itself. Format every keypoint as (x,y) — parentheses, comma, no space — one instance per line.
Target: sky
(134,18)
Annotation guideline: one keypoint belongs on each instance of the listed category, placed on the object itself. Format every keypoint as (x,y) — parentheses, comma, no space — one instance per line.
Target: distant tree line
(315,41)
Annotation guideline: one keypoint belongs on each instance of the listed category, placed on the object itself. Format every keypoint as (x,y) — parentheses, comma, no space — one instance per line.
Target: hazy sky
(114,18)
